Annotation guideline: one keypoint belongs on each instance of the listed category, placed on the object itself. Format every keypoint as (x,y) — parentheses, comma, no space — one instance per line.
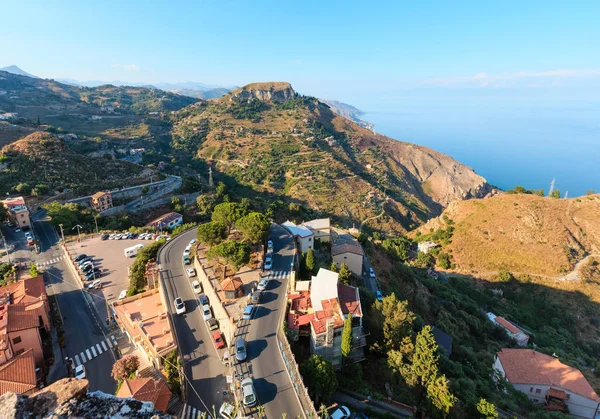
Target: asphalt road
(271,380)
(81,327)
(202,365)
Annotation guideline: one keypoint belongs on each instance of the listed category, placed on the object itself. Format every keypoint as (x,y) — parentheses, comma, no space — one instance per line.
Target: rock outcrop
(69,398)
(268,92)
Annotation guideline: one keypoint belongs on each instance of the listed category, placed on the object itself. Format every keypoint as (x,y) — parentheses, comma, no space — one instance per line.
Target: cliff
(268,92)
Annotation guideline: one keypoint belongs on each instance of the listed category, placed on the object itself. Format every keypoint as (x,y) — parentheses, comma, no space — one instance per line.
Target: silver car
(206,312)
(240,349)
(248,392)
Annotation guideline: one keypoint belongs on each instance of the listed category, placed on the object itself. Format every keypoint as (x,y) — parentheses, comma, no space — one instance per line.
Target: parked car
(379,296)
(206,313)
(186,260)
(192,242)
(10,224)
(212,323)
(270,245)
(249,395)
(112,237)
(104,236)
(179,306)
(218,339)
(240,349)
(268,263)
(341,412)
(255,298)
(17,230)
(262,284)
(371,273)
(94,274)
(95,285)
(149,236)
(249,312)
(80,372)
(84,260)
(197,287)
(191,272)
(79,257)
(123,294)
(142,236)
(227,411)
(83,268)
(118,236)
(187,250)
(203,300)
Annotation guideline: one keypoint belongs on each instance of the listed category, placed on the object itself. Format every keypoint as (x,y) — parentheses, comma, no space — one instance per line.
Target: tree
(254,227)
(23,187)
(487,409)
(33,270)
(590,192)
(125,367)
(424,260)
(504,275)
(333,267)
(145,190)
(396,320)
(227,214)
(539,192)
(221,190)
(439,394)
(206,204)
(425,358)
(3,213)
(211,233)
(555,194)
(319,376)
(234,253)
(443,260)
(310,260)
(344,274)
(177,204)
(347,336)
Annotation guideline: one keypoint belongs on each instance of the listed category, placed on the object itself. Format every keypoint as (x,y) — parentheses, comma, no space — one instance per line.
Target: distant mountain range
(13,69)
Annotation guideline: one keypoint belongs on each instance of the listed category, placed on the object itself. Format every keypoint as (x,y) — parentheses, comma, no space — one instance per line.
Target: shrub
(125,367)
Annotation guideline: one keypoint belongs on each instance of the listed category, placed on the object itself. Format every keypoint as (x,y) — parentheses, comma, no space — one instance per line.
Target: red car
(218,338)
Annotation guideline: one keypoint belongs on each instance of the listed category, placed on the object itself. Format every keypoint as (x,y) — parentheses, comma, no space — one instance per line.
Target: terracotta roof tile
(18,374)
(19,318)
(232,284)
(347,246)
(349,300)
(526,366)
(25,291)
(507,325)
(147,390)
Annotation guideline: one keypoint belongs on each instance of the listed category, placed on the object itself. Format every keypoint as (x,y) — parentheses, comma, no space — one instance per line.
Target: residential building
(303,235)
(101,201)
(512,331)
(346,249)
(545,380)
(18,212)
(425,247)
(147,390)
(321,229)
(167,221)
(144,319)
(320,313)
(18,375)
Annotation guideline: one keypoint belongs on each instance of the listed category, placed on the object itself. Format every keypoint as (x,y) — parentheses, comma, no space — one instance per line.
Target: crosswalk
(51,261)
(276,275)
(94,350)
(189,412)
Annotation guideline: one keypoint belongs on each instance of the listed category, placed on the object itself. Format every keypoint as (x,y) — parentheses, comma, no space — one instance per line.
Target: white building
(512,331)
(321,229)
(545,380)
(425,247)
(303,235)
(348,250)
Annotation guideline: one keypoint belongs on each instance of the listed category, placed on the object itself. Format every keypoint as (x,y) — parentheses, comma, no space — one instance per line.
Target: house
(101,201)
(320,313)
(147,389)
(346,249)
(443,339)
(547,381)
(513,331)
(232,287)
(303,235)
(321,229)
(425,247)
(144,319)
(18,211)
(18,375)
(168,221)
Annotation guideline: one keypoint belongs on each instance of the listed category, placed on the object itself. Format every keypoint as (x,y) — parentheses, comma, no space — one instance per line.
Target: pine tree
(425,358)
(310,261)
(333,267)
(347,336)
(344,274)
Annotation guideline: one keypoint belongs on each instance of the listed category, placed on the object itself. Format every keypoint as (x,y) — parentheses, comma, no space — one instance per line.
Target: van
(133,250)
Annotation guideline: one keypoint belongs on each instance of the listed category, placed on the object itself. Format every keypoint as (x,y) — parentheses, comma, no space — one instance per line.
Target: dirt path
(371,218)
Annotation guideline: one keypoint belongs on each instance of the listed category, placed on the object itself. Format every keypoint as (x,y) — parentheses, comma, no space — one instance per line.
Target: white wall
(305,243)
(353,261)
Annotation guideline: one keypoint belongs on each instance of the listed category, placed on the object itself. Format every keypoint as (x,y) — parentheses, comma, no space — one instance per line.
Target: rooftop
(147,390)
(164,219)
(323,287)
(232,284)
(526,366)
(100,194)
(18,374)
(13,202)
(296,230)
(26,291)
(349,300)
(20,318)
(331,310)
(507,325)
(319,224)
(346,245)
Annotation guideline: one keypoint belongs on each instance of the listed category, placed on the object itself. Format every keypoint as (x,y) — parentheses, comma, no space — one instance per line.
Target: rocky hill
(275,141)
(521,233)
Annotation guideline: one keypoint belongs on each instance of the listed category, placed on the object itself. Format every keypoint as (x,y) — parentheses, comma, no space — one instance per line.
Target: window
(309,239)
(531,389)
(19,352)
(17,340)
(538,391)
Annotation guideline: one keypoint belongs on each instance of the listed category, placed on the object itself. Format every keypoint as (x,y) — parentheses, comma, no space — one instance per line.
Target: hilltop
(274,141)
(521,233)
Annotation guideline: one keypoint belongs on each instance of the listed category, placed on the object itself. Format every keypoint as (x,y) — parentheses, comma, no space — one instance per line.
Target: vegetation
(319,377)
(137,278)
(309,261)
(124,368)
(254,226)
(172,365)
(235,254)
(344,274)
(211,233)
(347,336)
(33,270)
(227,214)
(487,410)
(6,270)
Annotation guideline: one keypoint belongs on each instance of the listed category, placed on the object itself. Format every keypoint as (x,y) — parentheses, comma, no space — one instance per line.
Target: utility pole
(96,221)
(78,227)
(62,233)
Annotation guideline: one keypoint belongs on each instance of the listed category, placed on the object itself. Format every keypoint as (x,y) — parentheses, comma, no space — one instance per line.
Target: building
(101,201)
(18,375)
(425,247)
(346,249)
(321,229)
(168,221)
(232,287)
(145,319)
(320,314)
(512,331)
(147,390)
(303,235)
(545,380)
(18,212)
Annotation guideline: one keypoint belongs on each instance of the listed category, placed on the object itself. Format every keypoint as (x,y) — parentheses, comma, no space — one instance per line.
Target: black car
(104,236)
(255,299)
(79,257)
(95,274)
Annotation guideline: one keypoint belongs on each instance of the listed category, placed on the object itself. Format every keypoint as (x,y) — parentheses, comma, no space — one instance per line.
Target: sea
(526,143)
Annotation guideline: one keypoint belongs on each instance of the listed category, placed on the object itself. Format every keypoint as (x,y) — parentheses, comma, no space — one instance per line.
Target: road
(81,327)
(273,386)
(202,366)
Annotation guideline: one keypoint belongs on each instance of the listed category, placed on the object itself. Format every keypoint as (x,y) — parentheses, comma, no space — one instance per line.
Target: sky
(355,51)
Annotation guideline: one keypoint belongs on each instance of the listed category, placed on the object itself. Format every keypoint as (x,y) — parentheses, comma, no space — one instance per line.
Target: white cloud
(131,67)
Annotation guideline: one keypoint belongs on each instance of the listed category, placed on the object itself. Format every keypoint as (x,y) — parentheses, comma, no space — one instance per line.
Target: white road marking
(77,362)
(104,346)
(87,351)
(94,351)
(82,357)
(109,343)
(99,348)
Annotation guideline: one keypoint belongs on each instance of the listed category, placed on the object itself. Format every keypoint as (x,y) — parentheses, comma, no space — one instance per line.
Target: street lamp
(96,221)
(78,227)
(62,233)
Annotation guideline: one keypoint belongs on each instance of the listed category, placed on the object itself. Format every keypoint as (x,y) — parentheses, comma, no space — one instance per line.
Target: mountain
(349,112)
(13,69)
(521,233)
(274,141)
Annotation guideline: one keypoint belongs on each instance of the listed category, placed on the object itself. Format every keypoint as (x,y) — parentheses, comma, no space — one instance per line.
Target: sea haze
(508,142)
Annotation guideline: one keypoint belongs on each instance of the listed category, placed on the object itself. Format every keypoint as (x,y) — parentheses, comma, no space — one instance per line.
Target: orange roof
(164,219)
(507,325)
(300,301)
(147,390)
(18,374)
(100,194)
(26,291)
(559,394)
(526,366)
(349,300)
(232,284)
(19,318)
(14,202)
(331,310)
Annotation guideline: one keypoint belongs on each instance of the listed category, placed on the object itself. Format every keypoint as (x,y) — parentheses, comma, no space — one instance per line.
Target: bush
(125,367)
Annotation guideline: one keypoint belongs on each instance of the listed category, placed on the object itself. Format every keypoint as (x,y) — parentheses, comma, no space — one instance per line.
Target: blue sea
(526,143)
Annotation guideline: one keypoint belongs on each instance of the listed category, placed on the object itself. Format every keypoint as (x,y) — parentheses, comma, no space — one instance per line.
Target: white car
(248,392)
(192,241)
(123,294)
(268,263)
(341,412)
(262,284)
(111,237)
(142,236)
(206,312)
(190,272)
(80,372)
(118,236)
(187,250)
(197,287)
(371,273)
(179,306)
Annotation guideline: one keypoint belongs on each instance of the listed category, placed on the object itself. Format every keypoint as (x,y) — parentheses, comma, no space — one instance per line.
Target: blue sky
(346,50)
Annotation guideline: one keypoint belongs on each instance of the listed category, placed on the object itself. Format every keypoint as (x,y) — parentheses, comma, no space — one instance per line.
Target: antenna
(210,179)
(551,187)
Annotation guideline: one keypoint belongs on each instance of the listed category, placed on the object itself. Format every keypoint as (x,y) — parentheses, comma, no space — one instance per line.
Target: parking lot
(109,255)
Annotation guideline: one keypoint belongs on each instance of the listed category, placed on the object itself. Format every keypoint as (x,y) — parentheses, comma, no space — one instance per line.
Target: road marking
(109,343)
(94,351)
(99,348)
(104,346)
(77,362)
(87,351)
(183,414)
(82,357)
